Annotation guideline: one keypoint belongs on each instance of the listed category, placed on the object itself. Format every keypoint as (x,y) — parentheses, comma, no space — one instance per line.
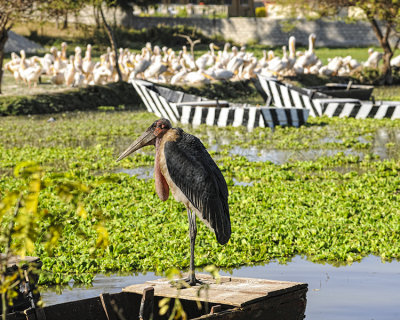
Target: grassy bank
(90,98)
(340,205)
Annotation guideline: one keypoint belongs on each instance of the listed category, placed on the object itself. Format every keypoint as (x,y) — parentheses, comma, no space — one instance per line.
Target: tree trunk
(387,76)
(96,17)
(3,40)
(387,69)
(113,43)
(65,25)
(76,14)
(57,22)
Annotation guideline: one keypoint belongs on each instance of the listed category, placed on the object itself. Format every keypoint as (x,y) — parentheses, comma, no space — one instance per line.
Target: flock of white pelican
(164,65)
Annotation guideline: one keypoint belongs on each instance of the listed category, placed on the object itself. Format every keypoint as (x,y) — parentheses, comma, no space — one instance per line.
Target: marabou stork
(183,165)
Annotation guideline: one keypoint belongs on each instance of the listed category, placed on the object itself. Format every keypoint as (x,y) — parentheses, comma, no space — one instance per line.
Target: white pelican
(78,58)
(395,62)
(225,55)
(31,73)
(309,58)
(207,59)
(188,58)
(219,72)
(292,54)
(63,56)
(247,72)
(178,76)
(88,64)
(276,65)
(142,64)
(70,71)
(373,59)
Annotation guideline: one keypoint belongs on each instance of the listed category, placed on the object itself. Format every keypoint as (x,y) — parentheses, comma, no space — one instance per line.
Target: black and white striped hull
(235,115)
(248,116)
(284,95)
(363,110)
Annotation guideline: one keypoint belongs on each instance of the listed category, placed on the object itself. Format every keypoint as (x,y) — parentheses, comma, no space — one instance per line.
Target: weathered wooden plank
(230,291)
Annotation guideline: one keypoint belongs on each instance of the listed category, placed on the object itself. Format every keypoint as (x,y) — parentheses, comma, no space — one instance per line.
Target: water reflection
(364,290)
(145,173)
(284,156)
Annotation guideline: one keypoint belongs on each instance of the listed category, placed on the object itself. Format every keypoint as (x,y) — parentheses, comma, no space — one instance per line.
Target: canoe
(229,298)
(340,90)
(178,106)
(283,94)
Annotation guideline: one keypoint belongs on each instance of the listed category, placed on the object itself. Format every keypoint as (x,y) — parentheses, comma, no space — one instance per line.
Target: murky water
(140,172)
(148,173)
(364,290)
(283,156)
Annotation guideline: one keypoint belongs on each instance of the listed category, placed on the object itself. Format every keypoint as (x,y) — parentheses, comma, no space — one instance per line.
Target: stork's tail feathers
(222,228)
(223,238)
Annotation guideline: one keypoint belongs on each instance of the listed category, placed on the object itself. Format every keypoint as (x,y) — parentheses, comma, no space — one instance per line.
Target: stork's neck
(162,187)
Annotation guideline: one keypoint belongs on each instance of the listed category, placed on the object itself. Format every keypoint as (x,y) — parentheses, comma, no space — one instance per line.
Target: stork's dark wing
(194,171)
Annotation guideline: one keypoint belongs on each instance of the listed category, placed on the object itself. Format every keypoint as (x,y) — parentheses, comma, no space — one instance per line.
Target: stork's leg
(192,234)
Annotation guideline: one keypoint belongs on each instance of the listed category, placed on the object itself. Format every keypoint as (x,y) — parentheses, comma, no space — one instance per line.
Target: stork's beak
(216,47)
(146,139)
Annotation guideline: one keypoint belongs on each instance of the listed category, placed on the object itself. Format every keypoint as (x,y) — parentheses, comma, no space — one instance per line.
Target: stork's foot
(193,281)
(187,282)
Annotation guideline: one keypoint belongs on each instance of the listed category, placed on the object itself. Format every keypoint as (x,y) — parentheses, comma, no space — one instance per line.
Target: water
(147,173)
(364,290)
(284,156)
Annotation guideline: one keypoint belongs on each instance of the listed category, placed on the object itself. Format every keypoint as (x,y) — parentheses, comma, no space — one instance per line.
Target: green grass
(336,208)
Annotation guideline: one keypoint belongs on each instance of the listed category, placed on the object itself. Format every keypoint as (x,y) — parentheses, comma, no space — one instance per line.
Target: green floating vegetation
(337,208)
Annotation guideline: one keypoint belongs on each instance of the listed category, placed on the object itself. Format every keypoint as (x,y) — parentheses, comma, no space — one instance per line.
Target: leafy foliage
(20,216)
(261,12)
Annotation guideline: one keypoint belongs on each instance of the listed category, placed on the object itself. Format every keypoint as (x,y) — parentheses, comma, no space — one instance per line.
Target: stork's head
(149,137)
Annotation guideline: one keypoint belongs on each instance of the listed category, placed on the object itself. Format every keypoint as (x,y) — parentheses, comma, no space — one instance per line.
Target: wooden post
(107,306)
(147,304)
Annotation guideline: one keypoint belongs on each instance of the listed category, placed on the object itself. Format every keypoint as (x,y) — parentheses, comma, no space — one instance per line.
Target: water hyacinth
(333,197)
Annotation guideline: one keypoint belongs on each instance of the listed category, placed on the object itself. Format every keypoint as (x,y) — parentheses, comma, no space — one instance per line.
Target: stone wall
(270,31)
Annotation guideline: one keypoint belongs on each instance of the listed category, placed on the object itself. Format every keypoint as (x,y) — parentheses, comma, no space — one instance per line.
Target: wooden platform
(231,299)
(239,298)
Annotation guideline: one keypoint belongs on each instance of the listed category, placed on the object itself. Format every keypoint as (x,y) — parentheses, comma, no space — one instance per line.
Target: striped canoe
(284,95)
(185,108)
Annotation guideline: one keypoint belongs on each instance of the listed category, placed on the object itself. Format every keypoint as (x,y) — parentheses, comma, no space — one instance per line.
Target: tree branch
(191,42)
(113,43)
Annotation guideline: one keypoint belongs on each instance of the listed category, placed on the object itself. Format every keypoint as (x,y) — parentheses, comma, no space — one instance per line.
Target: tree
(10,12)
(61,8)
(383,15)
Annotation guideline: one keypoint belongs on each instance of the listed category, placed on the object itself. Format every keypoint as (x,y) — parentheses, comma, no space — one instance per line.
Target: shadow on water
(363,290)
